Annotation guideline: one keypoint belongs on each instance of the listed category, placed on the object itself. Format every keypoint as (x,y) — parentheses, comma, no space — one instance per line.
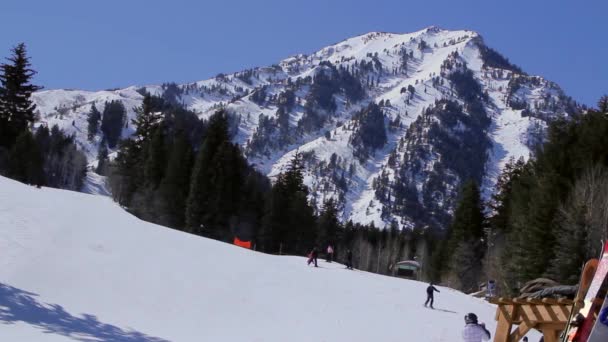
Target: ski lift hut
(409,269)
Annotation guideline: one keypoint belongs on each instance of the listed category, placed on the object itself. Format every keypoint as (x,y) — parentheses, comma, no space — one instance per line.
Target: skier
(473,331)
(312,256)
(429,294)
(330,253)
(349,259)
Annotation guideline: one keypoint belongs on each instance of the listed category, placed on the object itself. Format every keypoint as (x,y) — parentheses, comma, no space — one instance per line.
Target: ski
(583,285)
(591,306)
(600,329)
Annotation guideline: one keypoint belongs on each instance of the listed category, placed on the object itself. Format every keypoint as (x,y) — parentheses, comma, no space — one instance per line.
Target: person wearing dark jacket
(349,259)
(312,257)
(429,295)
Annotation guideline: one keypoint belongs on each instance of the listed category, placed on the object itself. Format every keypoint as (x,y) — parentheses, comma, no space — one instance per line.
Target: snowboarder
(349,259)
(330,253)
(429,295)
(473,331)
(312,256)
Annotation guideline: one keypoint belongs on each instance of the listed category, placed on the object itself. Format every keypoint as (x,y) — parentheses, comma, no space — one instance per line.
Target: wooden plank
(550,335)
(503,327)
(551,301)
(562,312)
(506,312)
(501,300)
(550,310)
(551,326)
(535,301)
(521,331)
(520,300)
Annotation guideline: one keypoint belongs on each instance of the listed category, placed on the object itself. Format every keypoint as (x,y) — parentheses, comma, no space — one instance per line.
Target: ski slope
(76,267)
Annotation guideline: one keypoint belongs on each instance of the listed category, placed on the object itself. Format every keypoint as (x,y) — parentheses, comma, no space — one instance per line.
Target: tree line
(546,218)
(186,173)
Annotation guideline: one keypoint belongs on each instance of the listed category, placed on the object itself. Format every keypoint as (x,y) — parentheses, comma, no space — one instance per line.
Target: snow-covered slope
(284,108)
(76,267)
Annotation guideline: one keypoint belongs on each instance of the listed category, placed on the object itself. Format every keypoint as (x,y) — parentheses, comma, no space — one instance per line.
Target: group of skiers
(473,330)
(329,257)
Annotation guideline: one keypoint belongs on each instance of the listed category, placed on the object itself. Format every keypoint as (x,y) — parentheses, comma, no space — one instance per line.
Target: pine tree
(466,230)
(146,120)
(603,104)
(465,265)
(176,183)
(201,182)
(328,225)
(468,218)
(25,160)
(276,218)
(571,240)
(155,161)
(93,119)
(126,175)
(112,121)
(17,111)
(289,222)
(302,224)
(102,160)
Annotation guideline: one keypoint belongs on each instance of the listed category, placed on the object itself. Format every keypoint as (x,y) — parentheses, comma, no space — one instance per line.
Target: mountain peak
(374,117)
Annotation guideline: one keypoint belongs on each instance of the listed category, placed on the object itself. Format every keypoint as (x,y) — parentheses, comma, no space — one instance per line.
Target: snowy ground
(76,267)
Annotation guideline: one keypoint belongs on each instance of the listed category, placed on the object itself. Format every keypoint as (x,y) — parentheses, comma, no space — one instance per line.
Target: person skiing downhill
(349,259)
(312,256)
(473,331)
(330,253)
(429,295)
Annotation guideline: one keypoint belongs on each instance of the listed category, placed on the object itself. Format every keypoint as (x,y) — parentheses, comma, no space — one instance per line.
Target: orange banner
(244,244)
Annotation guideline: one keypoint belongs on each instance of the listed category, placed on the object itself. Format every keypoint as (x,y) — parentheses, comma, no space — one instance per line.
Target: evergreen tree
(125,174)
(176,183)
(466,231)
(201,181)
(17,111)
(289,223)
(276,218)
(571,237)
(102,160)
(465,265)
(25,160)
(603,104)
(328,225)
(155,162)
(146,119)
(112,121)
(93,119)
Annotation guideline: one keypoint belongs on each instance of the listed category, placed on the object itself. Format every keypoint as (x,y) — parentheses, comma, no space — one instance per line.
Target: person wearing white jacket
(474,331)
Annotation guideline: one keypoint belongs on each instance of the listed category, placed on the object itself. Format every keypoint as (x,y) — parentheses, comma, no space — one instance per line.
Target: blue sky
(107,44)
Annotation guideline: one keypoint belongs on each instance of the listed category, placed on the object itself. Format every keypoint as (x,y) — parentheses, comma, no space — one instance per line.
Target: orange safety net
(244,244)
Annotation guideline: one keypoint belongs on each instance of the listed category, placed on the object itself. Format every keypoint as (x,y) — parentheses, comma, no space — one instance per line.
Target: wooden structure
(548,315)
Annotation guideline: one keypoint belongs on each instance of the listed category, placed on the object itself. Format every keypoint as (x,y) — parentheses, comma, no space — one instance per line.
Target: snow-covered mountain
(77,267)
(389,124)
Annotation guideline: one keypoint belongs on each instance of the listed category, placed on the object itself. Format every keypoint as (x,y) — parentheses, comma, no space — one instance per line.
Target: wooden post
(503,329)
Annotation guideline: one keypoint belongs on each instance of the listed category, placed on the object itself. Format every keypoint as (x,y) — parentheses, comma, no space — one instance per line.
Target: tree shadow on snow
(21,306)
